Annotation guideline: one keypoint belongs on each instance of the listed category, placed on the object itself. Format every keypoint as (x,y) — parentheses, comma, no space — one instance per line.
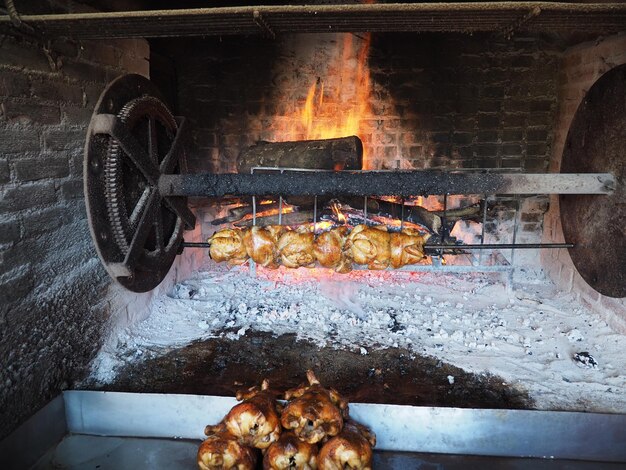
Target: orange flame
(342,112)
(341,218)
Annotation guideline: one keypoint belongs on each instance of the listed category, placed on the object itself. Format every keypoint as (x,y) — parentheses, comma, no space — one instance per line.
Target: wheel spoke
(146,224)
(178,206)
(111,125)
(159,229)
(153,149)
(173,156)
(139,207)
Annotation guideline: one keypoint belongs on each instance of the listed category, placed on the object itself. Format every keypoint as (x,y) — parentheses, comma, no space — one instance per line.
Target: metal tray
(103,430)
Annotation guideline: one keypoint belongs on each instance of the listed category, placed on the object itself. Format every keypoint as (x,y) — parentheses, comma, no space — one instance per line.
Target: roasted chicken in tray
(254,421)
(290,453)
(329,250)
(222,450)
(314,412)
(350,449)
(370,246)
(407,247)
(316,432)
(227,245)
(261,244)
(296,248)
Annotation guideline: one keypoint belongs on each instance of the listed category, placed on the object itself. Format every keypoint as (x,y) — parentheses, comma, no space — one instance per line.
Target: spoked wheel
(132,140)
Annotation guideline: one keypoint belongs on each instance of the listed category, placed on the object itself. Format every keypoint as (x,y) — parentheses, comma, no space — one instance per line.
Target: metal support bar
(463,17)
(258,19)
(384,183)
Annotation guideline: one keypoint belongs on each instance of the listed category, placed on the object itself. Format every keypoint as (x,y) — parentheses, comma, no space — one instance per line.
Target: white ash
(528,336)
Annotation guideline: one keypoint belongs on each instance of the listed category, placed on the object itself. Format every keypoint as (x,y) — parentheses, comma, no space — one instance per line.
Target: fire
(341,218)
(341,111)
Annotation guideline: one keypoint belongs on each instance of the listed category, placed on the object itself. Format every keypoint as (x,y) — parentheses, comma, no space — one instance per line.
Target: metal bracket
(264,25)
(508,31)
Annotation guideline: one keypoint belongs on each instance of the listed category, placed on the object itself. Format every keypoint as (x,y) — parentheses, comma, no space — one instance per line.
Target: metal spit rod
(493,246)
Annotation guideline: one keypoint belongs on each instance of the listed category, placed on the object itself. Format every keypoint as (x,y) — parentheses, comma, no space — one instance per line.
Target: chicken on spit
(254,421)
(350,449)
(296,248)
(407,247)
(227,245)
(290,453)
(370,245)
(314,412)
(222,450)
(261,244)
(329,250)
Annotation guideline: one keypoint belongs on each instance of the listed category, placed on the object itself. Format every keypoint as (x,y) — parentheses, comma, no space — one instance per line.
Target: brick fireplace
(436,100)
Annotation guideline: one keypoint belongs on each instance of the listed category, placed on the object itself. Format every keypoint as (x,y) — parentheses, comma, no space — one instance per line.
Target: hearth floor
(82,452)
(391,331)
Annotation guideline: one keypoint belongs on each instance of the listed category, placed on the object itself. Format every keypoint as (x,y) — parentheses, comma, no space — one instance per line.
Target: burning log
(238,213)
(344,153)
(288,218)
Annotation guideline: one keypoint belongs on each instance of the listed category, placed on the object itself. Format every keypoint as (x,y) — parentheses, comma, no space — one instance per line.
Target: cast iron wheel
(132,140)
(596,223)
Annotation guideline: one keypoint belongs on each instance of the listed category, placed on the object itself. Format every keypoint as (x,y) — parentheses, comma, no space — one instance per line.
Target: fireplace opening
(324,141)
(470,288)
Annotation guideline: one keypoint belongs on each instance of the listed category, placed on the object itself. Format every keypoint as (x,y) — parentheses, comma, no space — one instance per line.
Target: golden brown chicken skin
(370,246)
(350,449)
(296,249)
(255,420)
(221,451)
(290,453)
(314,412)
(227,245)
(407,247)
(329,250)
(261,244)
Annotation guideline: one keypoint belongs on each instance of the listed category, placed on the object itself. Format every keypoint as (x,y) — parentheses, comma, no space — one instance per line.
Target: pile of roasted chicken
(338,248)
(311,429)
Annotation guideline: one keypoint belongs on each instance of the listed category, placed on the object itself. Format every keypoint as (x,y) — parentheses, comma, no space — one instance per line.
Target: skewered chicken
(227,245)
(329,250)
(407,247)
(222,450)
(261,244)
(351,449)
(370,245)
(290,453)
(314,412)
(254,421)
(296,249)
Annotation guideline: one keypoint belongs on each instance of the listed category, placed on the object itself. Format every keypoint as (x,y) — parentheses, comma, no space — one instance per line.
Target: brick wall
(452,101)
(55,297)
(580,67)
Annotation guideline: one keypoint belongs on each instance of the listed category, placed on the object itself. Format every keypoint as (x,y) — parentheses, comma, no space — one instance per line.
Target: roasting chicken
(254,421)
(261,244)
(290,453)
(296,248)
(227,245)
(369,245)
(314,412)
(329,250)
(407,247)
(350,449)
(222,450)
